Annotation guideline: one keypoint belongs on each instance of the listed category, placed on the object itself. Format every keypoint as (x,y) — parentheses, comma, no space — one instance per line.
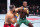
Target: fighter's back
(8,16)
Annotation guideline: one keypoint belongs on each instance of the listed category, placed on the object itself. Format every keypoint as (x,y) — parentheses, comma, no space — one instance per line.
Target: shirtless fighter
(23,14)
(10,17)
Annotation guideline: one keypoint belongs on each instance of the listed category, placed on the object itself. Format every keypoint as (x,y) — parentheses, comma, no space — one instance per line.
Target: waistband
(22,18)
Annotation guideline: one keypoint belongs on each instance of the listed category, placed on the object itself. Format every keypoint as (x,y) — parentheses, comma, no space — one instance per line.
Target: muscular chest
(12,16)
(22,13)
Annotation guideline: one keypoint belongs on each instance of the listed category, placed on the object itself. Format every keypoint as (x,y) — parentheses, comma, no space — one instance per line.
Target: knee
(17,25)
(30,25)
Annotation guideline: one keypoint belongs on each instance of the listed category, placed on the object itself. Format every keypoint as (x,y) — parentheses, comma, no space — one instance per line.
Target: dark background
(32,5)
(3,6)
(30,2)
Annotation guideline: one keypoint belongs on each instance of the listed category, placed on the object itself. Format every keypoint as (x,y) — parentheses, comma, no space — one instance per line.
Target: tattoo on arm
(9,19)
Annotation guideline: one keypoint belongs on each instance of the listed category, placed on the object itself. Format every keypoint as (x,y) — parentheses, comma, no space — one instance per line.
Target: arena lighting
(8,4)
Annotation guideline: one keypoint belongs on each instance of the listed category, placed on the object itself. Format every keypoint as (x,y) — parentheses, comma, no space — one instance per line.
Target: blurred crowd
(33,5)
(34,9)
(3,6)
(3,9)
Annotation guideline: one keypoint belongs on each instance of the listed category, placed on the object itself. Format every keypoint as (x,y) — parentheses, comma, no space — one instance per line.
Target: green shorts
(25,21)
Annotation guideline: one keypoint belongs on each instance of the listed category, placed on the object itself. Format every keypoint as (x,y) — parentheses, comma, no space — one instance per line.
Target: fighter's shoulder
(9,14)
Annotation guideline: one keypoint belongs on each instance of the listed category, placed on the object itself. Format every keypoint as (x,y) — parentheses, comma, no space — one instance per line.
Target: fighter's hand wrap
(16,15)
(27,11)
(24,8)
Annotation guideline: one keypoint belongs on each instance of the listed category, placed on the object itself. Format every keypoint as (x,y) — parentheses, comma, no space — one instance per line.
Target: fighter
(23,14)
(10,17)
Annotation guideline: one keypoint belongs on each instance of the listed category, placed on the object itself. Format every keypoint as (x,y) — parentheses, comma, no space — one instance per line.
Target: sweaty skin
(23,13)
(22,19)
(10,16)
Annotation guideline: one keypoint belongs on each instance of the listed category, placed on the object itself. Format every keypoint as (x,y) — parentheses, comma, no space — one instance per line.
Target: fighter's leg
(12,25)
(28,23)
(6,25)
(18,23)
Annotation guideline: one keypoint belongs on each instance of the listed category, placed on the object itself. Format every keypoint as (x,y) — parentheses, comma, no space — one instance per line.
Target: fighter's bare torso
(11,15)
(8,16)
(22,14)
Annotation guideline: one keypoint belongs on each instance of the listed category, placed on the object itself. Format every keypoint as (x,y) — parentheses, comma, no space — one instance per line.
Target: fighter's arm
(20,8)
(26,10)
(17,9)
(12,20)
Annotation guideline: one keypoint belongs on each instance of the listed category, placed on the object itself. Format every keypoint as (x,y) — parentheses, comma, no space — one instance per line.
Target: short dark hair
(24,1)
(11,6)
